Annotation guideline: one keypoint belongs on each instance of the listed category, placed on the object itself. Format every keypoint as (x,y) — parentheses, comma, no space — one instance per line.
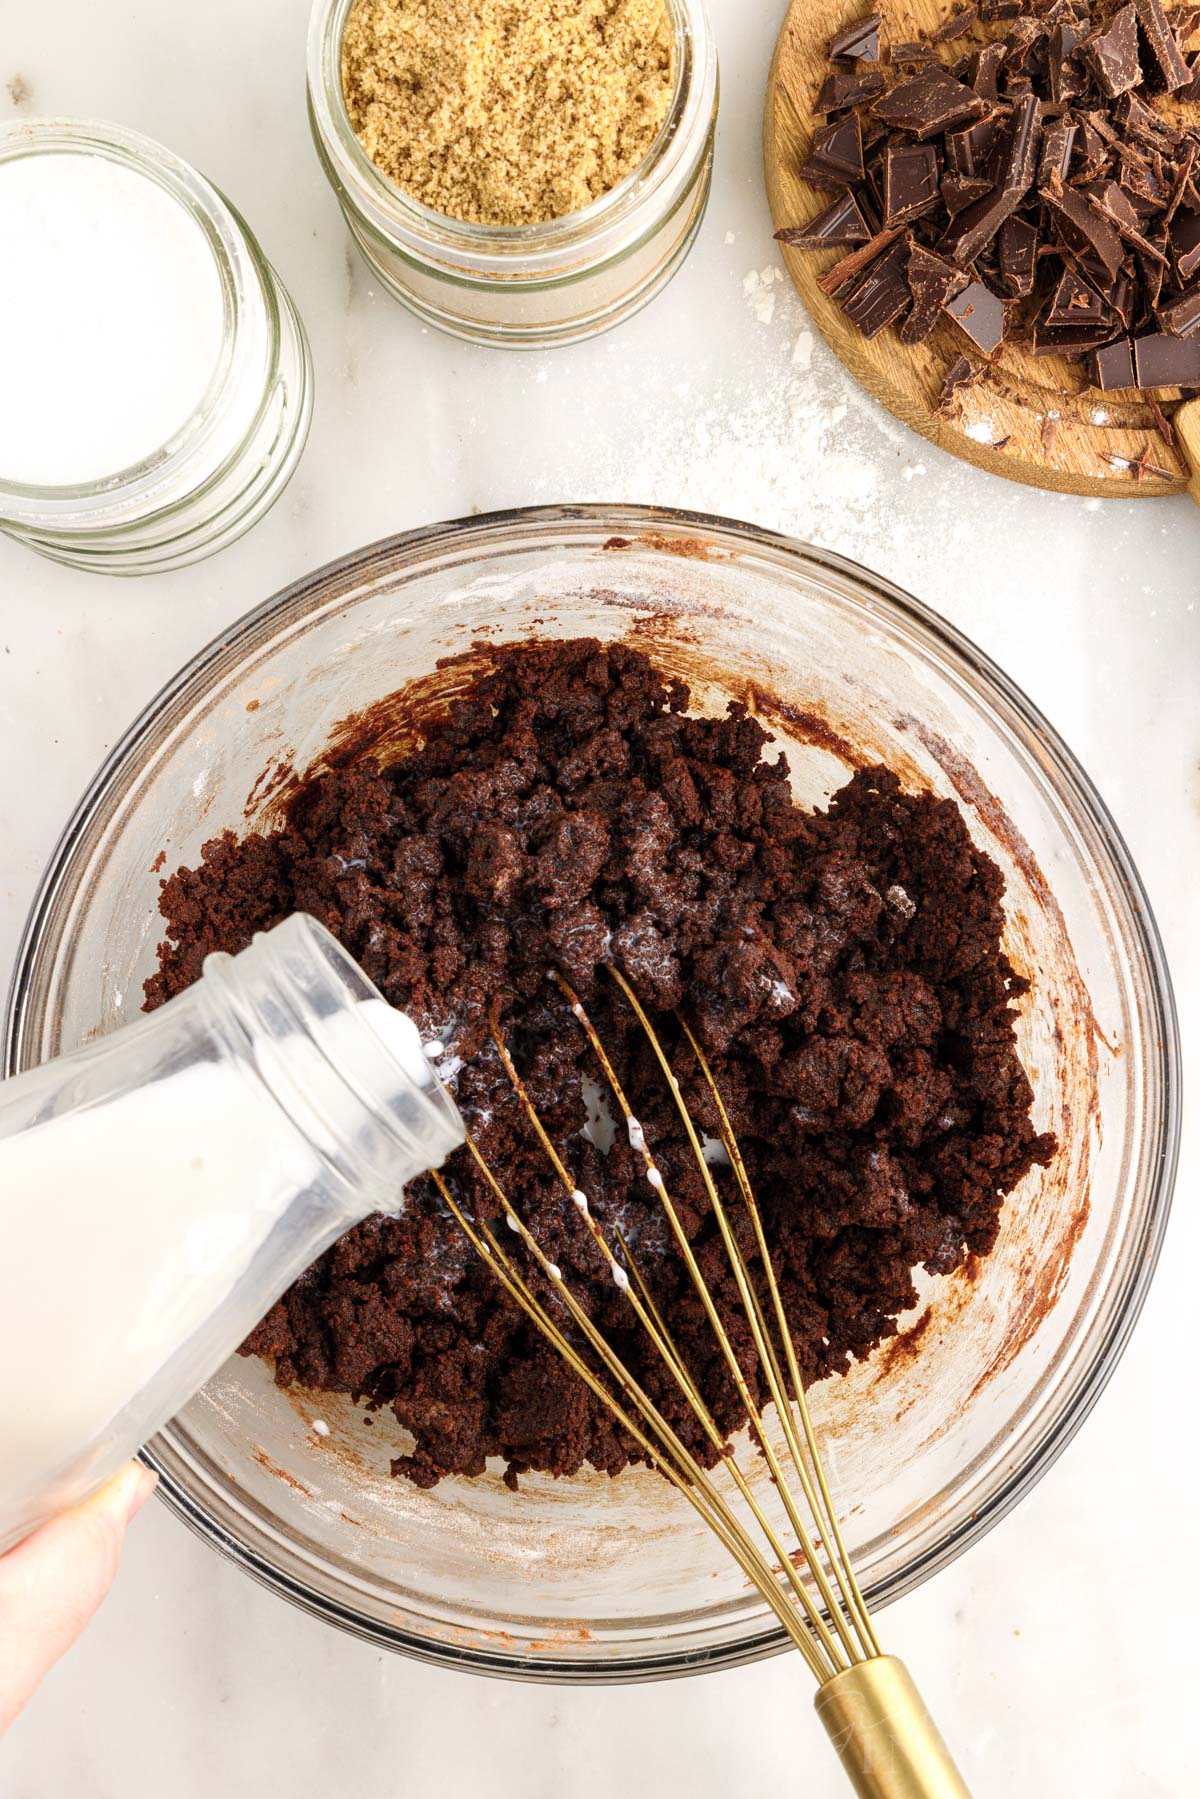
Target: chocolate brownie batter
(844,971)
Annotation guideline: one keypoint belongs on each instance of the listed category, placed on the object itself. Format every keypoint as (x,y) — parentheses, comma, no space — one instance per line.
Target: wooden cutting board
(1058,435)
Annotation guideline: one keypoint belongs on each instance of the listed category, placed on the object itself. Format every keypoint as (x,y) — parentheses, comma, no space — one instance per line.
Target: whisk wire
(656,1329)
(670,1456)
(853,1651)
(843,1566)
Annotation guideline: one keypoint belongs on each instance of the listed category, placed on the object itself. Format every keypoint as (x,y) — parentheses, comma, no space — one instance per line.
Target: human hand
(53,1582)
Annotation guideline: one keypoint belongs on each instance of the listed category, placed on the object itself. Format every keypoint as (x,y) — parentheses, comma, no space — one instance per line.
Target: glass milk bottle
(161,1188)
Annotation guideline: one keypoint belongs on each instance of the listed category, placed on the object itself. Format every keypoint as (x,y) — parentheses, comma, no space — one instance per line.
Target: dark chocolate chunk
(881,295)
(1182,316)
(1065,77)
(1017,245)
(1091,149)
(1185,244)
(1058,142)
(1163,360)
(849,87)
(990,10)
(1112,366)
(932,102)
(956,26)
(1072,341)
(858,42)
(911,55)
(972,229)
(932,281)
(841,223)
(836,158)
(1110,199)
(961,373)
(1074,302)
(968,150)
(1112,54)
(910,182)
(1022,141)
(1084,228)
(1173,72)
(985,69)
(981,314)
(848,268)
(961,191)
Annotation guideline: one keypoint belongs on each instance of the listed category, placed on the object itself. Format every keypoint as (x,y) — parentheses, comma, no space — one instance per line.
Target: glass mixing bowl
(933,1438)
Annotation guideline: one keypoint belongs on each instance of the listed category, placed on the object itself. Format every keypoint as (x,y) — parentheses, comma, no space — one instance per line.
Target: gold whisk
(888,1744)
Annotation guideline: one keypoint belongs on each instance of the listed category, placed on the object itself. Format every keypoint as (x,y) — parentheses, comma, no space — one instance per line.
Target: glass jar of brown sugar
(528,285)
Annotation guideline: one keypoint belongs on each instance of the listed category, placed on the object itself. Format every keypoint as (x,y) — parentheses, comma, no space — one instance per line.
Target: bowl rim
(647,525)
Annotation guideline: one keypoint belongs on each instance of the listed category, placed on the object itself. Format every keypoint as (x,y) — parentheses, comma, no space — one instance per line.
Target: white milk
(125,1229)
(111,318)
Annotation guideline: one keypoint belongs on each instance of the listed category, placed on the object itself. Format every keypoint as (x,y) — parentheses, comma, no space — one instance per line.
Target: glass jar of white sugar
(160,1188)
(156,382)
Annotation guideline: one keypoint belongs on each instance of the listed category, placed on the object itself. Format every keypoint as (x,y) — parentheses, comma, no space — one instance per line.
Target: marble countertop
(1059,1652)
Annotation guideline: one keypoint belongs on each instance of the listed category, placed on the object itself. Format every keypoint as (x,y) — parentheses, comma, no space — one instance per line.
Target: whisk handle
(888,1744)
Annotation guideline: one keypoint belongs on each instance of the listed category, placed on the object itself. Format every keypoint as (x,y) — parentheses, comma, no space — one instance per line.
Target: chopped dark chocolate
(858,42)
(836,159)
(841,223)
(985,70)
(848,268)
(961,373)
(1185,244)
(1075,303)
(1172,71)
(1163,360)
(1112,367)
(881,295)
(960,191)
(1017,245)
(1064,74)
(1058,142)
(932,281)
(850,87)
(956,26)
(910,182)
(1023,179)
(1182,316)
(1084,228)
(1112,54)
(981,314)
(932,102)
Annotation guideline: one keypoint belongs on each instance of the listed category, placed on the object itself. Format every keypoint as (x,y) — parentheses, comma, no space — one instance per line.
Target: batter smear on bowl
(843,969)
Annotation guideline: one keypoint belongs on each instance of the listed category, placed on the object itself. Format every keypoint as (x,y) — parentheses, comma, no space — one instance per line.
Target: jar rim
(580,239)
(199,449)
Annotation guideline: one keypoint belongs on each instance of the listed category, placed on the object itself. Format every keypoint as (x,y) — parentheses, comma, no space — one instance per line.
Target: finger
(52,1583)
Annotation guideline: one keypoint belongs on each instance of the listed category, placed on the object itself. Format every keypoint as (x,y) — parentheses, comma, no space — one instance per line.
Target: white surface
(1059,1654)
(113,295)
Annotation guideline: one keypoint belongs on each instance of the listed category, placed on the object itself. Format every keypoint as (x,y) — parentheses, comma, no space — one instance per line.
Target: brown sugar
(507,112)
